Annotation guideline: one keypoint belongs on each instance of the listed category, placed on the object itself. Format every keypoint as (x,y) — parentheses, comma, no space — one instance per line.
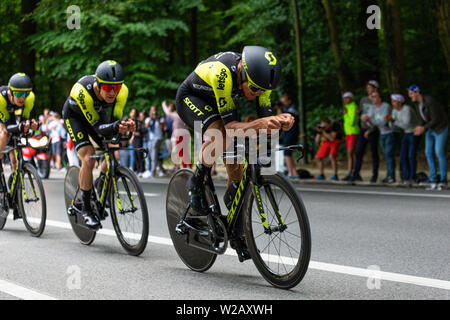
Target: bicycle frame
(18,173)
(110,181)
(250,174)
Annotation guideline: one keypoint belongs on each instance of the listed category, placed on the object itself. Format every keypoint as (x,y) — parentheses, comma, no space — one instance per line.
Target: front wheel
(281,252)
(31,201)
(129,212)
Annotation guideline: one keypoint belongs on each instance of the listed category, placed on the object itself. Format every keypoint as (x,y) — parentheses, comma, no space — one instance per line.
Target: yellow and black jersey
(84,102)
(215,79)
(10,113)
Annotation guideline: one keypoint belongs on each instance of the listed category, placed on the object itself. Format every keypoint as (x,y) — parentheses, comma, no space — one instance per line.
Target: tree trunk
(393,41)
(343,71)
(443,23)
(28,28)
(301,105)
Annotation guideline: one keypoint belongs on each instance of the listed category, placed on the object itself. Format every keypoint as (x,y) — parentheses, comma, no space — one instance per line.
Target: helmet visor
(255,89)
(20,94)
(109,87)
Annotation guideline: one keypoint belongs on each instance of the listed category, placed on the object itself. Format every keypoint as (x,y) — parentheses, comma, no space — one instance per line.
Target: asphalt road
(402,234)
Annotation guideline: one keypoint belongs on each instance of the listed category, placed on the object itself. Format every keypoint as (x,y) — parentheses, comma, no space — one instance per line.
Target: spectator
(127,157)
(155,131)
(377,117)
(177,124)
(433,121)
(404,117)
(329,136)
(365,106)
(56,133)
(290,137)
(138,142)
(351,130)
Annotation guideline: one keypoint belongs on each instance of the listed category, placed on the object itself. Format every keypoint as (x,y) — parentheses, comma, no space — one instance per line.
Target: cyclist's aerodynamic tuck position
(209,95)
(95,109)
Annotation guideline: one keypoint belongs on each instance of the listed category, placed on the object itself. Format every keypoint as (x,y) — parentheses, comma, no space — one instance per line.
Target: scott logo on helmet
(271,58)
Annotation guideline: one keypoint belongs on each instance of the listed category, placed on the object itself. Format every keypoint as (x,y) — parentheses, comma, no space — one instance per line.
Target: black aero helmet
(20,82)
(260,67)
(110,72)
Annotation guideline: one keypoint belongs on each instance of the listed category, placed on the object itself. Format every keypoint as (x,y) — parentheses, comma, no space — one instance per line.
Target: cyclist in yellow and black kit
(16,105)
(209,95)
(95,109)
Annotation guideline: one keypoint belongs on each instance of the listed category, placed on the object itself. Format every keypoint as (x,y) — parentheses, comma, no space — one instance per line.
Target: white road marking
(147,194)
(322,266)
(377,193)
(22,292)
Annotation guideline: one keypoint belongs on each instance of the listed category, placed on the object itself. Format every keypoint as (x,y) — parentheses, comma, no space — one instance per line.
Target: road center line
(322,266)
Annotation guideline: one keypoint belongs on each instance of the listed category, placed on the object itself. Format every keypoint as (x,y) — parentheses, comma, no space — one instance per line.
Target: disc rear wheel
(85,235)
(176,204)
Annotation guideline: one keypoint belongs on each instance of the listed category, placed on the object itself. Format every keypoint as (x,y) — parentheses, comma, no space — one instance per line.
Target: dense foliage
(159,42)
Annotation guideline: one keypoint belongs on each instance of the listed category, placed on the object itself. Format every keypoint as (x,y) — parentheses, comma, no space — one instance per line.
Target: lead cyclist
(209,95)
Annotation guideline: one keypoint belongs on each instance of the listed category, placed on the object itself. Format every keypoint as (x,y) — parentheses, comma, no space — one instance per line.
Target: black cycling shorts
(79,128)
(192,108)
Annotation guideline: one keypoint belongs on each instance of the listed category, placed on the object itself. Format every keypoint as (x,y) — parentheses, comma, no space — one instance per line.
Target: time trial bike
(274,220)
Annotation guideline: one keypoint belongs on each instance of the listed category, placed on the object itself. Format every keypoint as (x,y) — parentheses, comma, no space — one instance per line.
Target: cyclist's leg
(13,160)
(79,131)
(192,109)
(4,138)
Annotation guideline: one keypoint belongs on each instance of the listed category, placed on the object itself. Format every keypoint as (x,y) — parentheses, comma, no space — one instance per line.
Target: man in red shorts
(329,135)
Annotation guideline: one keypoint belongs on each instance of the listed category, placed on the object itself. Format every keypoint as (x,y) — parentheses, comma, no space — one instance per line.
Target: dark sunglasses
(254,89)
(109,87)
(20,94)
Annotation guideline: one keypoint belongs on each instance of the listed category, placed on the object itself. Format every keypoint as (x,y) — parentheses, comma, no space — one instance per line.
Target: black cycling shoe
(90,220)
(240,245)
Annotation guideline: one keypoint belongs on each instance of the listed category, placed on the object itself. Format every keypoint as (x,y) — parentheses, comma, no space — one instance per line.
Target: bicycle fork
(281,225)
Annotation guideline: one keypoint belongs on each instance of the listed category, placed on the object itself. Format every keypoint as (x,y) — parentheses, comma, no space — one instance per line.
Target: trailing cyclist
(16,104)
(86,115)
(209,95)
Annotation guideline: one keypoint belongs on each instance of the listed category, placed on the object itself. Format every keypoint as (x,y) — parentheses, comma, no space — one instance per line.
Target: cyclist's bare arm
(268,123)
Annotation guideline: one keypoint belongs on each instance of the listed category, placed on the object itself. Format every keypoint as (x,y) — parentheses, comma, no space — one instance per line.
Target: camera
(319,128)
